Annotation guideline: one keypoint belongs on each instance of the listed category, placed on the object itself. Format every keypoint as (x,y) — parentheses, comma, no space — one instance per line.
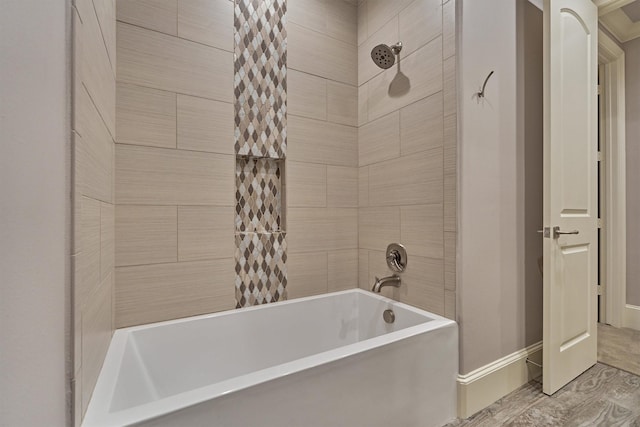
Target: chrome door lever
(557,232)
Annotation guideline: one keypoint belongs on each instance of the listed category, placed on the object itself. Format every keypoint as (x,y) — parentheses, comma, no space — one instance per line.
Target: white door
(570,190)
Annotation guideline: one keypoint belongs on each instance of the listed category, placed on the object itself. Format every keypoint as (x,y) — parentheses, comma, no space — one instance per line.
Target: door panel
(570,191)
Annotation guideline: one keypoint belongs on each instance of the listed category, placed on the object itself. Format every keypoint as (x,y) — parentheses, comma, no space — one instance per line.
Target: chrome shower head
(385,56)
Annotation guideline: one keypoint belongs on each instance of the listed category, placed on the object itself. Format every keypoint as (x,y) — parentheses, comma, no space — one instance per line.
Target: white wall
(500,294)
(34,144)
(632,73)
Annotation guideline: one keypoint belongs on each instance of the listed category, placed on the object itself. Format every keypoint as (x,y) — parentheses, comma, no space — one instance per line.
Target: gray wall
(34,146)
(632,73)
(500,288)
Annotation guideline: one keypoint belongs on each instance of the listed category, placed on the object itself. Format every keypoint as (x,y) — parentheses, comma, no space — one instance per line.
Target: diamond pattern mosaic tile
(260,84)
(261,272)
(258,195)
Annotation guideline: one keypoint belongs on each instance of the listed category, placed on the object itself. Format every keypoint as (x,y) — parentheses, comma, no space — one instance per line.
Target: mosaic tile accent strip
(261,272)
(258,195)
(260,84)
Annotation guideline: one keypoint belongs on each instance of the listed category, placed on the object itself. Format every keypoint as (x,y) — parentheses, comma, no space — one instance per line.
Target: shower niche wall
(260,92)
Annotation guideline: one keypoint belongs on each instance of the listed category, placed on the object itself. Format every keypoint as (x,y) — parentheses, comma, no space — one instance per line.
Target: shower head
(385,56)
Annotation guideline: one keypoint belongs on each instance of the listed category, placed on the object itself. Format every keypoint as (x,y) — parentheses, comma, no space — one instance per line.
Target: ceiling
(621,18)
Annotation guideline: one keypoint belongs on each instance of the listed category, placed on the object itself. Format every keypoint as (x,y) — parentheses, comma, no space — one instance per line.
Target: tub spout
(386,281)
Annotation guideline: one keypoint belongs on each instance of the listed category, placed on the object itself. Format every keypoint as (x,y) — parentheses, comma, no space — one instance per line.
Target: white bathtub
(328,360)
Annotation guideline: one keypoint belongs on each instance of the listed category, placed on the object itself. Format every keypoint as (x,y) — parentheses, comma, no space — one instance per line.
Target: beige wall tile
(87,261)
(306,95)
(421,230)
(342,103)
(107,239)
(332,59)
(317,229)
(94,69)
(306,185)
(93,173)
(146,234)
(422,76)
(96,329)
(306,274)
(410,180)
(314,141)
(362,22)
(450,305)
(156,60)
(363,186)
(342,21)
(420,22)
(450,174)
(342,187)
(343,270)
(106,13)
(205,125)
(449,86)
(311,14)
(363,269)
(450,261)
(449,29)
(157,15)
(205,232)
(145,116)
(363,114)
(379,140)
(151,293)
(380,11)
(388,35)
(377,227)
(423,284)
(206,21)
(158,176)
(421,125)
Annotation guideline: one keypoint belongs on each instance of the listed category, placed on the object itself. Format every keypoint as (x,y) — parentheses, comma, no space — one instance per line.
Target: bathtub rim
(98,415)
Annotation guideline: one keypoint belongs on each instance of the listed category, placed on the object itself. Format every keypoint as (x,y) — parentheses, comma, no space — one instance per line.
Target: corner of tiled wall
(407,149)
(93,200)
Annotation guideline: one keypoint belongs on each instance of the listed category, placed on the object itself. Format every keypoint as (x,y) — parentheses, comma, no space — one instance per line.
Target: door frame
(611,56)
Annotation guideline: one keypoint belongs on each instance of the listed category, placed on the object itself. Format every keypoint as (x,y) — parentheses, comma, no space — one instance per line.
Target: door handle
(557,232)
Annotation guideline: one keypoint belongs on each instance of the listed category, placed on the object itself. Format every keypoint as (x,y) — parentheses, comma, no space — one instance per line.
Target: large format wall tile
(342,187)
(342,103)
(307,274)
(422,125)
(343,270)
(145,116)
(205,125)
(379,140)
(207,21)
(157,15)
(313,229)
(158,176)
(377,227)
(152,59)
(330,58)
(93,151)
(314,141)
(150,293)
(421,230)
(146,235)
(204,232)
(306,95)
(420,22)
(408,180)
(307,185)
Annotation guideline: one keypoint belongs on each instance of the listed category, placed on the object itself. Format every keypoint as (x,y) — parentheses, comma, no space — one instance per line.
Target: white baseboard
(480,388)
(631,317)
